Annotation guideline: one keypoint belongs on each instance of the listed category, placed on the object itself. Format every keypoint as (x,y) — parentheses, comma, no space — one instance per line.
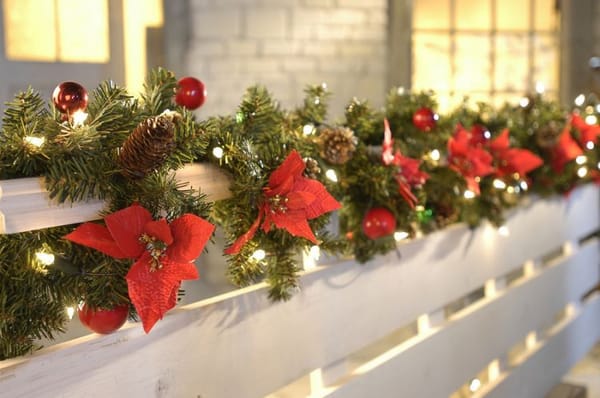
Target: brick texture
(285,45)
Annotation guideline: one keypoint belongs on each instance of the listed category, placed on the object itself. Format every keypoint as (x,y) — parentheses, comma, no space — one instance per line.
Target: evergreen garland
(81,162)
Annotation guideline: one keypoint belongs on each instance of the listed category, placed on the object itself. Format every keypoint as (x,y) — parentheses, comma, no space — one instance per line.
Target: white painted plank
(200,349)
(26,205)
(536,376)
(439,364)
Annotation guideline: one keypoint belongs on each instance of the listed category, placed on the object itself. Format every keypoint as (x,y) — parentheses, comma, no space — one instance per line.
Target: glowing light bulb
(499,184)
(435,155)
(591,120)
(400,235)
(524,185)
(45,258)
(70,312)
(259,255)
(79,117)
(503,231)
(590,145)
(598,166)
(475,385)
(331,175)
(34,141)
(510,189)
(468,194)
(598,108)
(308,129)
(524,102)
(579,100)
(582,172)
(581,159)
(539,87)
(218,152)
(324,86)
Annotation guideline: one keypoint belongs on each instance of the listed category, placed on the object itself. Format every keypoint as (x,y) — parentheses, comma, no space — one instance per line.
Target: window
(488,50)
(56,30)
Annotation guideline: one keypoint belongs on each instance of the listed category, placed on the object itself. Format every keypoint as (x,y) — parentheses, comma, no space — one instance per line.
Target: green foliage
(80,162)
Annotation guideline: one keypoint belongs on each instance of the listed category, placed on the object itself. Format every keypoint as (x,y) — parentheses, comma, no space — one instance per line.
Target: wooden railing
(483,312)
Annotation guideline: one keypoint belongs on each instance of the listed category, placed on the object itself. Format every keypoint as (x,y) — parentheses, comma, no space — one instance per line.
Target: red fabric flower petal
(299,199)
(587,132)
(564,151)
(295,222)
(501,142)
(126,226)
(323,202)
(519,161)
(151,292)
(246,237)
(97,237)
(292,166)
(190,234)
(159,230)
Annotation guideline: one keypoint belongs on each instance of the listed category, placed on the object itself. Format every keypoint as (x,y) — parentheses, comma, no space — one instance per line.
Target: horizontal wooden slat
(201,348)
(26,205)
(438,365)
(541,371)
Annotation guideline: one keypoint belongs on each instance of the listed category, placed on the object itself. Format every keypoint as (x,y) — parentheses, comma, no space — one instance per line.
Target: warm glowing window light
(56,30)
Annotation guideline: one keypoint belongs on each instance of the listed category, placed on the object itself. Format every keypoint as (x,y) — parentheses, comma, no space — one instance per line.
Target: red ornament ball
(424,119)
(69,97)
(103,321)
(378,222)
(191,93)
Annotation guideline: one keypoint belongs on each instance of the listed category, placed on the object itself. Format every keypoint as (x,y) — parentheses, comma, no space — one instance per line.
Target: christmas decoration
(191,93)
(150,143)
(408,174)
(103,321)
(378,222)
(279,204)
(290,200)
(337,144)
(163,254)
(69,97)
(512,160)
(424,119)
(470,161)
(565,150)
(547,136)
(588,133)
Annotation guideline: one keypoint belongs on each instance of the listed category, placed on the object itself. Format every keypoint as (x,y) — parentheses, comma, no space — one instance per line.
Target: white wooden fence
(461,313)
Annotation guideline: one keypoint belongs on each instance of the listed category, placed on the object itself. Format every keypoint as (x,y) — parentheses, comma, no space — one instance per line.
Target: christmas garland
(390,173)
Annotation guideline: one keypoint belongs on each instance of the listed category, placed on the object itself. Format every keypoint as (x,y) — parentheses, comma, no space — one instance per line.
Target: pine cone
(312,169)
(547,136)
(151,142)
(337,145)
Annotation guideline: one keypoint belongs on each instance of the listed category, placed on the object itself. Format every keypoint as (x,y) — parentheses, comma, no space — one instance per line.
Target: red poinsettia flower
(289,201)
(587,133)
(471,161)
(409,174)
(164,254)
(512,160)
(565,150)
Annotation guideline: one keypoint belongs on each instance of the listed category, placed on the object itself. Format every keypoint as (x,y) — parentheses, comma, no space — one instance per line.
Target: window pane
(431,14)
(512,66)
(473,14)
(29,30)
(546,61)
(83,38)
(545,15)
(472,62)
(431,61)
(512,15)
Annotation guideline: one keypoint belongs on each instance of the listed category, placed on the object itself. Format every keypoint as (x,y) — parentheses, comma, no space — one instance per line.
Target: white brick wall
(286,44)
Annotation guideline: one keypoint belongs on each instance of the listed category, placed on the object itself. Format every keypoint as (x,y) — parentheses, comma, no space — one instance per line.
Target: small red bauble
(101,320)
(191,93)
(378,222)
(69,97)
(424,119)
